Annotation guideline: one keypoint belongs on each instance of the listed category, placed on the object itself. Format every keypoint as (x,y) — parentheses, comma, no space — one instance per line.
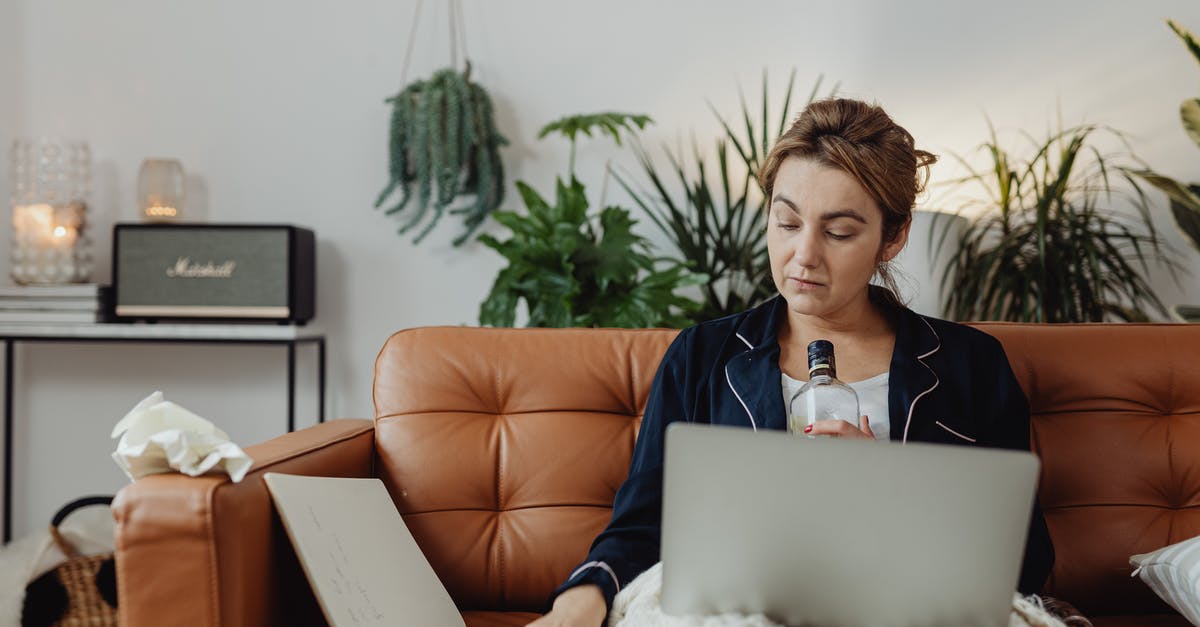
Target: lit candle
(45,239)
(161,211)
(63,237)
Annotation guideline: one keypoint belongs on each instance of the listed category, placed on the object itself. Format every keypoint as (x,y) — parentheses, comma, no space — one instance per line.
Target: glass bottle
(823,397)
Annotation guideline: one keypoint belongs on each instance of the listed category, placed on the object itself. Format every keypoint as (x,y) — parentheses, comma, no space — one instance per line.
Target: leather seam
(499,511)
(213,568)
(634,376)
(1087,505)
(499,508)
(1178,496)
(619,412)
(500,559)
(315,447)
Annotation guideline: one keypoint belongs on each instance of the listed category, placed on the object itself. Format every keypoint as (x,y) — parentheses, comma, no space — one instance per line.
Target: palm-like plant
(718,227)
(1047,248)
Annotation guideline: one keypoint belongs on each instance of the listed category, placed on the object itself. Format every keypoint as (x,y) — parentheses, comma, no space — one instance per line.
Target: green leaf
(1184,202)
(609,122)
(1189,113)
(533,201)
(1176,191)
(1188,39)
(500,306)
(618,255)
(1187,217)
(572,202)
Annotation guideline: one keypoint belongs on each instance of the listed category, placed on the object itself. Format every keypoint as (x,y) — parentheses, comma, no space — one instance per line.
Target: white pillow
(1173,573)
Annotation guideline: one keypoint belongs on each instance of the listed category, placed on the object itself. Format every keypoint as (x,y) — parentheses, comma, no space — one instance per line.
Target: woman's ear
(893,248)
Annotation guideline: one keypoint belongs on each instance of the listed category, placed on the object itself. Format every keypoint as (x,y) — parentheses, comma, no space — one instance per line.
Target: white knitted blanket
(638,605)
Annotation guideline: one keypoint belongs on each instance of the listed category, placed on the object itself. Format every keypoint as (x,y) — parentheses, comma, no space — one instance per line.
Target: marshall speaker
(227,272)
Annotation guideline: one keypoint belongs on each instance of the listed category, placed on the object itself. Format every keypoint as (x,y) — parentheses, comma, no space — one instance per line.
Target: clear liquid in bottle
(823,397)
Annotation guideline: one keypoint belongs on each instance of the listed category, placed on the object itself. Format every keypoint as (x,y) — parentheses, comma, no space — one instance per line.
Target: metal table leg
(8,438)
(291,379)
(321,379)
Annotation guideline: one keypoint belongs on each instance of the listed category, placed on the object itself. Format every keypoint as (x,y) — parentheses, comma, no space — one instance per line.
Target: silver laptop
(836,532)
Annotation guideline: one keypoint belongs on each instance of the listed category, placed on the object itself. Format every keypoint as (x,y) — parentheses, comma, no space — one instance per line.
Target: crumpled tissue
(160,436)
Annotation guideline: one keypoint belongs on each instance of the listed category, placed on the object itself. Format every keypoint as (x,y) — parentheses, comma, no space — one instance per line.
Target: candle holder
(160,190)
(50,183)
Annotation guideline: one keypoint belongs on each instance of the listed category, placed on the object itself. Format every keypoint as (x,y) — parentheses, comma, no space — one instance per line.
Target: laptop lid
(842,532)
(361,560)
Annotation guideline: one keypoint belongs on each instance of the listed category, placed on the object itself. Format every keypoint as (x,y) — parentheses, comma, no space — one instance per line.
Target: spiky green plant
(718,227)
(444,141)
(1184,198)
(572,269)
(1047,247)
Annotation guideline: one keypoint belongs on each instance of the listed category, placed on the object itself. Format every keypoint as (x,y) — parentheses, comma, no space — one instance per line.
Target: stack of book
(53,304)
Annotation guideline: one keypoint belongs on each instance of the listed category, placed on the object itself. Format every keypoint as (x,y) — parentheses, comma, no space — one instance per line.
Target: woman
(842,183)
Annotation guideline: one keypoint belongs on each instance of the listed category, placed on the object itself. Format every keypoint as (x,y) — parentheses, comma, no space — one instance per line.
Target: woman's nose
(808,250)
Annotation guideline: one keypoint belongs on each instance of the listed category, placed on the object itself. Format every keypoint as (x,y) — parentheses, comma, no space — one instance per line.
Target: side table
(260,334)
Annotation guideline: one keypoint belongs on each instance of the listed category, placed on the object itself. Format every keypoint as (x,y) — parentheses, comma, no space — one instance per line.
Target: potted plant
(1047,247)
(575,269)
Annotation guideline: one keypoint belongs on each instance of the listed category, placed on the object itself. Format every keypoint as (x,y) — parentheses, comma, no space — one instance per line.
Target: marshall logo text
(184,268)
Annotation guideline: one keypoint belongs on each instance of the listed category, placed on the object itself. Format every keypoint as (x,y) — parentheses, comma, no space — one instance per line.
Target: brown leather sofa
(503,450)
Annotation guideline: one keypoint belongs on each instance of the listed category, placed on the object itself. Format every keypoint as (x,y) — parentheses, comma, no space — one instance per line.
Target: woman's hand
(841,429)
(581,606)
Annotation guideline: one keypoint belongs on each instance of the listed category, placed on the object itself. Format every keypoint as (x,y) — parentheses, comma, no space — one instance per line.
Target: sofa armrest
(207,551)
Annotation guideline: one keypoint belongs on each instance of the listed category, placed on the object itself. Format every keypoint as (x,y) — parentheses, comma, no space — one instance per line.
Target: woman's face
(824,237)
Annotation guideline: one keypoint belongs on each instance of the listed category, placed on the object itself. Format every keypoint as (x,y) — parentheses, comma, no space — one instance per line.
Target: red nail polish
(808,428)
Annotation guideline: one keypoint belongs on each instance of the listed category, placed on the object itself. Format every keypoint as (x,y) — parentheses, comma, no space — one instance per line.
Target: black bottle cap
(819,349)
(820,354)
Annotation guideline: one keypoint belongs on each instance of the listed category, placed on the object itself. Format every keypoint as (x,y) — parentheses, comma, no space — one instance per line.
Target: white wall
(276,109)
(11,76)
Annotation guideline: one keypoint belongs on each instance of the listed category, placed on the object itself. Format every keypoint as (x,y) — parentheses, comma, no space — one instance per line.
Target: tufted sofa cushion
(1116,422)
(504,449)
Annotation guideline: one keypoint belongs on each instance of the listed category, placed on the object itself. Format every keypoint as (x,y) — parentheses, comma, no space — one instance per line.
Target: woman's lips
(804,284)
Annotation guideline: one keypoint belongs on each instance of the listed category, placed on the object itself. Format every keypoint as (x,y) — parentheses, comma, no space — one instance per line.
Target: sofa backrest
(504,448)
(1116,423)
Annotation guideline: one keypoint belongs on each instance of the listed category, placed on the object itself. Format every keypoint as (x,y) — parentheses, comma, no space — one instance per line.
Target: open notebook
(362,562)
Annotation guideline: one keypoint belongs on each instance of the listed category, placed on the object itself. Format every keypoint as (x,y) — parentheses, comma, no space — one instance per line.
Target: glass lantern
(51,180)
(160,190)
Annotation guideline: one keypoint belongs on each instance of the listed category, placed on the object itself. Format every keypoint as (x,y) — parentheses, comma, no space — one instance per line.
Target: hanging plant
(444,142)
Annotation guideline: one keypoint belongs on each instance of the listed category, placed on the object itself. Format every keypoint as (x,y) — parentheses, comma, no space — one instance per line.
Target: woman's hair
(863,141)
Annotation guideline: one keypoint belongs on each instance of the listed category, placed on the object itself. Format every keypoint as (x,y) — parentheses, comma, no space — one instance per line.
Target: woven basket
(85,605)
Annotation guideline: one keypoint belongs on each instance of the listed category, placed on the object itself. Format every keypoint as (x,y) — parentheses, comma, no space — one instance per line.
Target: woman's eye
(787,226)
(839,236)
